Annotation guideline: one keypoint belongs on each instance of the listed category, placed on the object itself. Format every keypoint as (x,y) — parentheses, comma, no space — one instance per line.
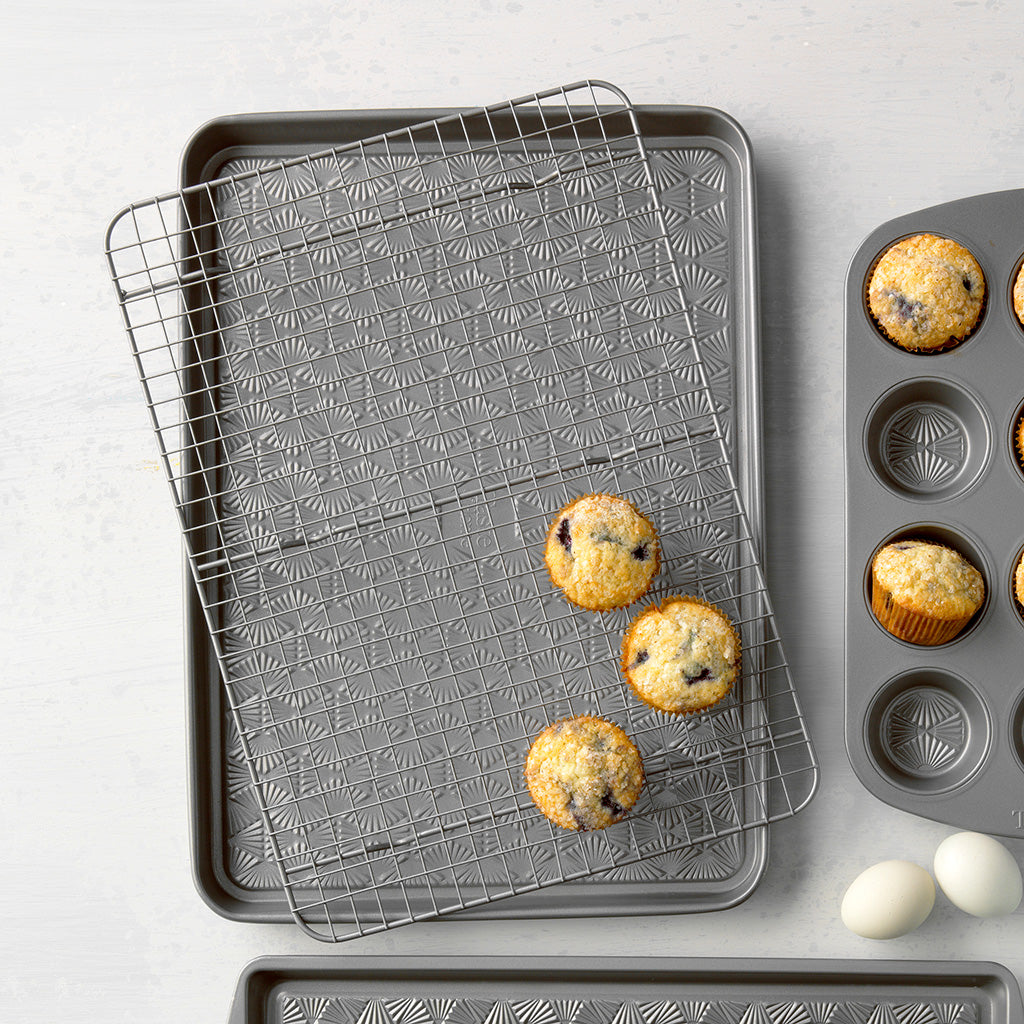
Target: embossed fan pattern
(295,1009)
(924,447)
(693,186)
(925,730)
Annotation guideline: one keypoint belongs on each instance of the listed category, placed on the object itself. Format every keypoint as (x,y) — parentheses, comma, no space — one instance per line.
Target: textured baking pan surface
(400,357)
(939,731)
(703,170)
(610,990)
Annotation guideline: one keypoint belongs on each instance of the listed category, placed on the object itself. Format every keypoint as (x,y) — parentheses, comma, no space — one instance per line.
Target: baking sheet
(611,990)
(703,163)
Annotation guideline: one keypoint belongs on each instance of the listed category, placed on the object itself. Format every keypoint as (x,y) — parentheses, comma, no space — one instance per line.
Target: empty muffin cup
(927,731)
(927,439)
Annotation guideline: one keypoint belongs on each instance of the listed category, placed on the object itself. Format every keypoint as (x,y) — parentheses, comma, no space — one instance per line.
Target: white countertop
(857,112)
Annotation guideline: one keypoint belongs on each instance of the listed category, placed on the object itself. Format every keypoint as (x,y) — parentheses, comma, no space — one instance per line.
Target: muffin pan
(939,731)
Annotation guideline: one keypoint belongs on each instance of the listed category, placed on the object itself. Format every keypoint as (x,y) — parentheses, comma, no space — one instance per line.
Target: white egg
(978,874)
(888,900)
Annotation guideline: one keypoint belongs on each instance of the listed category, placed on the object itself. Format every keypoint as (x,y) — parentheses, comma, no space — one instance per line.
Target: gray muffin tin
(939,731)
(703,160)
(571,990)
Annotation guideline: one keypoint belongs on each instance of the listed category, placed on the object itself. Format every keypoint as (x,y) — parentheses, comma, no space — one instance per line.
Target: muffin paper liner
(1018,441)
(911,626)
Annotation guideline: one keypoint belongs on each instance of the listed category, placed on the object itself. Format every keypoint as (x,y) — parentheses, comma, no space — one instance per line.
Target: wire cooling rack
(375,374)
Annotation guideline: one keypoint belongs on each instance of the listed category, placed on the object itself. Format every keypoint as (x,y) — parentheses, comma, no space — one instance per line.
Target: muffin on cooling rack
(681,656)
(584,773)
(602,552)
(924,593)
(926,293)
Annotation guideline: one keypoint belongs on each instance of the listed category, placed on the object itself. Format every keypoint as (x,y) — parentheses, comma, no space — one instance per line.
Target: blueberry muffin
(602,552)
(1018,295)
(924,593)
(681,656)
(584,773)
(1018,581)
(926,293)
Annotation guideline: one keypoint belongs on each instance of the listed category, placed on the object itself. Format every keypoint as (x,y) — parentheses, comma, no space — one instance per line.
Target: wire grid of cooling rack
(396,361)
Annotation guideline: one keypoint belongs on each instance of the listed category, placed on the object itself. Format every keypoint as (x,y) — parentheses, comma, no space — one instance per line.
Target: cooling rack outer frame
(848,989)
(279,135)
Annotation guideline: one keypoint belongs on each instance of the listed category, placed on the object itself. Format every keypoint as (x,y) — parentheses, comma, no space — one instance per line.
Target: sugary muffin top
(926,292)
(584,773)
(929,579)
(681,656)
(601,552)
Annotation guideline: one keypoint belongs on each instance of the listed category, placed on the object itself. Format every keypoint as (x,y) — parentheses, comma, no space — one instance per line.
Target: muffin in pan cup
(926,293)
(924,593)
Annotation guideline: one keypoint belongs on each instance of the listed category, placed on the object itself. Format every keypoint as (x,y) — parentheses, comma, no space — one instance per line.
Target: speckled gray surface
(910,109)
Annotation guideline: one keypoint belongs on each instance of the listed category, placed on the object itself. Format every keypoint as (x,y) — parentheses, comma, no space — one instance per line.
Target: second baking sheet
(623,990)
